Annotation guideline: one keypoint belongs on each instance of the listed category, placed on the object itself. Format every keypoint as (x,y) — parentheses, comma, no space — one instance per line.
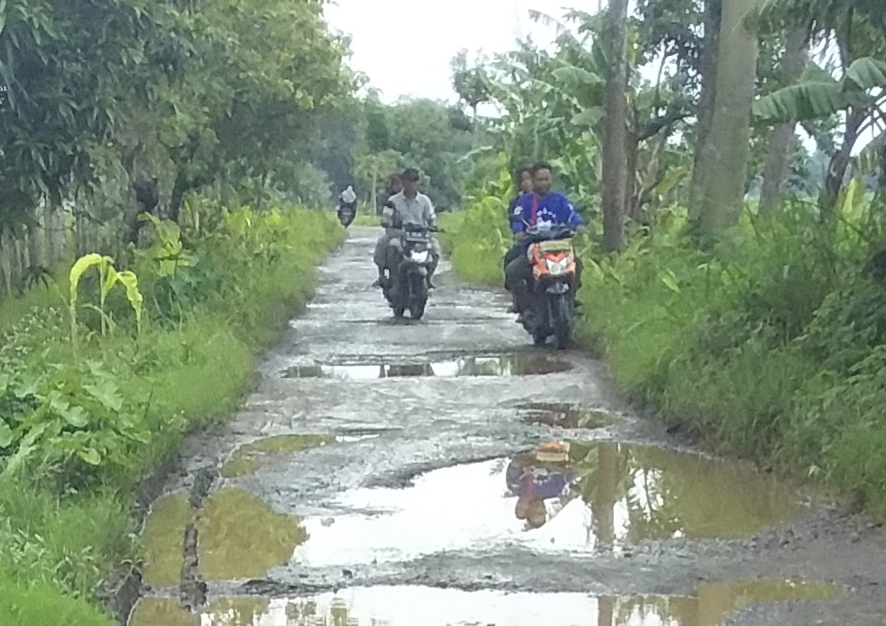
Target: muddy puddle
(162,539)
(425,606)
(508,365)
(567,416)
(578,497)
(249,457)
(242,537)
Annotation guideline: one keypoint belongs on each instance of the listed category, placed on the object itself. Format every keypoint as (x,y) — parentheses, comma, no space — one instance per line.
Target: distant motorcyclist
(409,207)
(523,180)
(348,198)
(543,205)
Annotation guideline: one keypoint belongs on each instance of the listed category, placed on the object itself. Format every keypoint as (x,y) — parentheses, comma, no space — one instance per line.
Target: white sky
(405,47)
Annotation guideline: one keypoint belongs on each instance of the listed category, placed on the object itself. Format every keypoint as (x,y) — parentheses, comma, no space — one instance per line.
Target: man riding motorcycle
(543,205)
(410,206)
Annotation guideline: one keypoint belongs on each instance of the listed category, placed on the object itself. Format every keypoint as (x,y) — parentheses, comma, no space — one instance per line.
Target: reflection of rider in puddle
(538,476)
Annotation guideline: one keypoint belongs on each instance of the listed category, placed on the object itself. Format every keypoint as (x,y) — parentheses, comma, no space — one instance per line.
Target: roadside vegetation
(157,167)
(736,281)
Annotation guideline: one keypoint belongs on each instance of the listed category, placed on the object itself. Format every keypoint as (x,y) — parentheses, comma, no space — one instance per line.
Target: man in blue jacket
(543,205)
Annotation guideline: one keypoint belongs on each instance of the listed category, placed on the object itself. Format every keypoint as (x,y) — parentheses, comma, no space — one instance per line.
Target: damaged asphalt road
(383,464)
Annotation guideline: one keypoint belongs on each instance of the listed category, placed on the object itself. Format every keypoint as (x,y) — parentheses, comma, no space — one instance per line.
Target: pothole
(578,497)
(509,365)
(568,416)
(162,539)
(240,536)
(426,606)
(249,457)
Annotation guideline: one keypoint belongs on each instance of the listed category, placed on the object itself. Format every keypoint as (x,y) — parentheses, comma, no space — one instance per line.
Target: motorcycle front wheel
(562,320)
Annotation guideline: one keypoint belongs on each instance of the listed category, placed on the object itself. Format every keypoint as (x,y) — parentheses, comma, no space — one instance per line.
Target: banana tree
(858,28)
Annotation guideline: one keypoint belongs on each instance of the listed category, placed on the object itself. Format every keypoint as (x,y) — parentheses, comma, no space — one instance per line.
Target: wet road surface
(446,472)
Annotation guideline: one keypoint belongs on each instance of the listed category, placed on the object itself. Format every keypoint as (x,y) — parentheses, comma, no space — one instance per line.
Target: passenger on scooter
(524,186)
(395,186)
(410,206)
(385,210)
(543,205)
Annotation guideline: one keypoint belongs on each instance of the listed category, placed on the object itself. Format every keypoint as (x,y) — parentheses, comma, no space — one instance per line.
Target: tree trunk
(728,142)
(614,148)
(5,263)
(783,142)
(705,110)
(606,611)
(606,495)
(374,190)
(833,182)
(50,253)
(35,243)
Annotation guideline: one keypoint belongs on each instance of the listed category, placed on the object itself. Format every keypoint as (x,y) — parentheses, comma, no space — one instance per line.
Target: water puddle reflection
(578,496)
(242,537)
(510,365)
(247,458)
(424,606)
(162,539)
(568,416)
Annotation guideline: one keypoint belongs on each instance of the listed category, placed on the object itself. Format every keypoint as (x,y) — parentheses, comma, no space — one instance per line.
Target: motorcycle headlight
(557,268)
(419,256)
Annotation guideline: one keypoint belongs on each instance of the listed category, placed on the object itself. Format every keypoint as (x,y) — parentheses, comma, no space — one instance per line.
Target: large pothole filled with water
(566,416)
(425,606)
(529,364)
(574,497)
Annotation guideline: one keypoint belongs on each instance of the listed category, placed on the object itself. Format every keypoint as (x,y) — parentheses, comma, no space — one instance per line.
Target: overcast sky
(405,46)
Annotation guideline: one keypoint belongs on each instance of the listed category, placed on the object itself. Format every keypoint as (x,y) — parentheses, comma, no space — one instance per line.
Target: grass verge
(81,425)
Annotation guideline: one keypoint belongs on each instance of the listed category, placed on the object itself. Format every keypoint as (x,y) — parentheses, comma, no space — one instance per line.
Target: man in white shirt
(410,206)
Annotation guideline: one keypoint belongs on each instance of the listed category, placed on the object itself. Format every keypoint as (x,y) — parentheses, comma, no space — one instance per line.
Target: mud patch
(568,416)
(529,364)
(574,497)
(242,537)
(247,458)
(163,536)
(161,612)
(425,606)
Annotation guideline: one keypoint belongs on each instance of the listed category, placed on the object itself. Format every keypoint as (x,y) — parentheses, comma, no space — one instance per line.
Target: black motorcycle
(346,213)
(407,287)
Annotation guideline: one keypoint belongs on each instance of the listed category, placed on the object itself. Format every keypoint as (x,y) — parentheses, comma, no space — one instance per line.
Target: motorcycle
(552,259)
(346,214)
(407,288)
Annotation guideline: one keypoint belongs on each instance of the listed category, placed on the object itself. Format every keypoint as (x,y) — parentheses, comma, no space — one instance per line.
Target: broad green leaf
(575,75)
(806,101)
(76,416)
(866,73)
(6,435)
(110,281)
(130,282)
(589,117)
(107,392)
(79,268)
(91,456)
